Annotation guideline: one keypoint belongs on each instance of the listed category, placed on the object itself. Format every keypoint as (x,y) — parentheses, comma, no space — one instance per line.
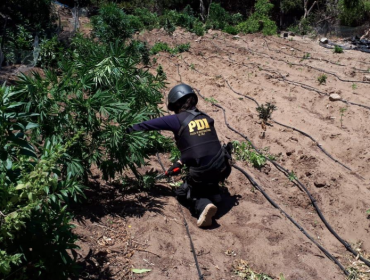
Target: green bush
(18,44)
(79,113)
(353,13)
(150,20)
(236,18)
(244,151)
(304,27)
(163,47)
(35,232)
(112,24)
(185,19)
(198,28)
(135,23)
(182,48)
(141,50)
(230,29)
(51,51)
(218,17)
(259,21)
(338,49)
(160,47)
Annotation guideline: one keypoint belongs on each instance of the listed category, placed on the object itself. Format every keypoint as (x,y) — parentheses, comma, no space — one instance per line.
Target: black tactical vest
(197,136)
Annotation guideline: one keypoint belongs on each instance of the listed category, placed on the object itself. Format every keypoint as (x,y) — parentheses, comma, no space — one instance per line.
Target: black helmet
(178,92)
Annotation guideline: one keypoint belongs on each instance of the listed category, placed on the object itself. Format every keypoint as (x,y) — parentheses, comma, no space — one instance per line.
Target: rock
(291,49)
(83,12)
(366,78)
(334,97)
(319,184)
(289,153)
(266,169)
(236,37)
(291,33)
(308,174)
(324,40)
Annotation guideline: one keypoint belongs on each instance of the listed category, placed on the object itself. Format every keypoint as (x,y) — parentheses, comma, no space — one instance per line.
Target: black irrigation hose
(295,129)
(303,65)
(284,125)
(315,68)
(315,58)
(273,203)
(282,78)
(187,230)
(302,186)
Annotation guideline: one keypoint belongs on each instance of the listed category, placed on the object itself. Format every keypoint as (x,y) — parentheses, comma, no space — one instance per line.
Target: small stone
(292,34)
(320,184)
(289,153)
(334,97)
(291,49)
(324,40)
(236,37)
(308,174)
(266,169)
(366,78)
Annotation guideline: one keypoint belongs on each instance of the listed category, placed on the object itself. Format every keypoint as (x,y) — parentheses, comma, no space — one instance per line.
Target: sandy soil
(247,226)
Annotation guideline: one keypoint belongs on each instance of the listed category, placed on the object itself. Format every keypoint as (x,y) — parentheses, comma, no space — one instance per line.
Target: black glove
(174,169)
(129,129)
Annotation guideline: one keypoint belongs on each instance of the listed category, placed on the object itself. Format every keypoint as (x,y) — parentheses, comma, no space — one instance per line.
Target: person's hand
(174,169)
(129,129)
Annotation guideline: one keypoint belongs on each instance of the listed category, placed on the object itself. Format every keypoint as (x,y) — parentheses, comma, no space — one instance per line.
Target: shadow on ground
(114,200)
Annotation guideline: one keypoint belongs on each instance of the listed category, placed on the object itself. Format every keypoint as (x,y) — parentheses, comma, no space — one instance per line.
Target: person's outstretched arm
(170,123)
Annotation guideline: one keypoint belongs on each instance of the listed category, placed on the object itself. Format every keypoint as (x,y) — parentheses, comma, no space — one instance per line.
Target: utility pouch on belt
(216,171)
(184,191)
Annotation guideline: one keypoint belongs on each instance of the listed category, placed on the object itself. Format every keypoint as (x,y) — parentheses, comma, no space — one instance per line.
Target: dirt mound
(269,69)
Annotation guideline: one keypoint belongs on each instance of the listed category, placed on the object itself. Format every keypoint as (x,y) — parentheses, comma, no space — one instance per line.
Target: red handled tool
(167,174)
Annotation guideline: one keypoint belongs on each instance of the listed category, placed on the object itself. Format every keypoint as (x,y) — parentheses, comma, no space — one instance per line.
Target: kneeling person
(201,151)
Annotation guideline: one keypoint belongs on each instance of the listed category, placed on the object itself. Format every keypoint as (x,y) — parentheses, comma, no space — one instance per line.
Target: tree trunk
(204,7)
(307,12)
(202,10)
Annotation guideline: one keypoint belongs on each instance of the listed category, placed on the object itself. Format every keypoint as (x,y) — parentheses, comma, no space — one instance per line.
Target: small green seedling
(211,100)
(291,39)
(192,67)
(354,86)
(338,49)
(368,211)
(265,111)
(306,56)
(281,277)
(341,111)
(160,73)
(244,151)
(322,79)
(292,176)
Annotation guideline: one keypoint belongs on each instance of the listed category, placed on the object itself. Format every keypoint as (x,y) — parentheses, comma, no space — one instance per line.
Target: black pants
(196,197)
(203,182)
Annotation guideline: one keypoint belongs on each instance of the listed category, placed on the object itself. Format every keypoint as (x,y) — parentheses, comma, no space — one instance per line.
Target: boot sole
(205,219)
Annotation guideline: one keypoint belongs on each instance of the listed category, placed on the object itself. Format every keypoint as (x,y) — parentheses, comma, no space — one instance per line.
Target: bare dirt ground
(120,231)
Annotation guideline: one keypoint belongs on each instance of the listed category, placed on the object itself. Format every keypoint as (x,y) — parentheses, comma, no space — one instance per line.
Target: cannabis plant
(265,111)
(35,233)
